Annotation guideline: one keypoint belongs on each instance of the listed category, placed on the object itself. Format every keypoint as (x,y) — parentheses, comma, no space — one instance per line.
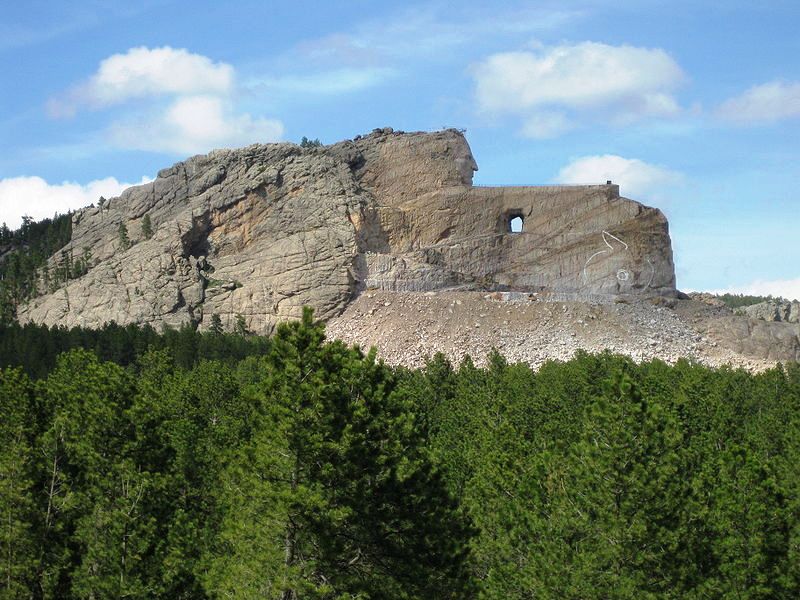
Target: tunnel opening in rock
(515,223)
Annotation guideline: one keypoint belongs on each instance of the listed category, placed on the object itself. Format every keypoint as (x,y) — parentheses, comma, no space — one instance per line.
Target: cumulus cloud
(620,83)
(145,72)
(635,177)
(769,102)
(785,288)
(34,197)
(177,102)
(375,49)
(194,124)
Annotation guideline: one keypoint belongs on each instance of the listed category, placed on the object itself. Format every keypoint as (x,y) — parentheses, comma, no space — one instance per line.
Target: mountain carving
(264,230)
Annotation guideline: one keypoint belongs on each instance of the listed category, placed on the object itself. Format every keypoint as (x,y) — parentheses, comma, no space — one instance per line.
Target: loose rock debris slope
(407,328)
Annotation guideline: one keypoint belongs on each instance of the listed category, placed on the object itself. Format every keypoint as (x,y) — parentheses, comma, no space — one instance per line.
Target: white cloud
(635,177)
(546,125)
(786,288)
(764,103)
(194,124)
(34,197)
(392,46)
(198,114)
(146,72)
(619,83)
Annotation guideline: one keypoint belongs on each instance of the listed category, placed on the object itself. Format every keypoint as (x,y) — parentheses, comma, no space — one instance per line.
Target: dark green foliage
(18,542)
(739,300)
(216,324)
(241,325)
(307,143)
(599,478)
(89,513)
(122,234)
(147,227)
(36,347)
(152,481)
(23,258)
(334,497)
(295,468)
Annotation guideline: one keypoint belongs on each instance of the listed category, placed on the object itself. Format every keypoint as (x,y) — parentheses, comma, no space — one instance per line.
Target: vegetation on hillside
(301,469)
(23,260)
(740,300)
(26,270)
(307,143)
(35,348)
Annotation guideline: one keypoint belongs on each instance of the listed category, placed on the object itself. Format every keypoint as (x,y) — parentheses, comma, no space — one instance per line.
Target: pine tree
(307,143)
(147,227)
(748,526)
(92,493)
(122,233)
(216,325)
(333,496)
(18,531)
(241,326)
(590,514)
(187,425)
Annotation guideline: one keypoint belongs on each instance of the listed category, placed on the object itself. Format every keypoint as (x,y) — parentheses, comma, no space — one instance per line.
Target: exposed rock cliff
(773,310)
(263,230)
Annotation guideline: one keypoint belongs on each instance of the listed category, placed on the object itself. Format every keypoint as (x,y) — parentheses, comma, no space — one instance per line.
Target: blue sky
(693,107)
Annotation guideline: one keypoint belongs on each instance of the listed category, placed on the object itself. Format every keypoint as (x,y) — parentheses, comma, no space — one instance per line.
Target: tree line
(35,348)
(309,469)
(741,300)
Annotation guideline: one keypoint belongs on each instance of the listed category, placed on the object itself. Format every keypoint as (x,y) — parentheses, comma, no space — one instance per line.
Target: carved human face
(465,163)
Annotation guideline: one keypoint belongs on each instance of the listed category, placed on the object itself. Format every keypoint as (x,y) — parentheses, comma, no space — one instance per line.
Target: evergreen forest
(24,254)
(136,464)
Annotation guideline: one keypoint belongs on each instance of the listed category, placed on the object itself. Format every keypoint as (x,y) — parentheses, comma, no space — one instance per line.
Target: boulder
(773,310)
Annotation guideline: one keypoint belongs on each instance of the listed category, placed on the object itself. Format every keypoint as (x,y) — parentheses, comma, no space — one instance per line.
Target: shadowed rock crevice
(195,241)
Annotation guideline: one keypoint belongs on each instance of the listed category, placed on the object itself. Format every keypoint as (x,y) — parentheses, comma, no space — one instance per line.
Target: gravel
(409,327)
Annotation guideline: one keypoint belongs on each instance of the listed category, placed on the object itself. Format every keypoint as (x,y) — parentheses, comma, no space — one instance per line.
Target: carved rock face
(279,227)
(465,163)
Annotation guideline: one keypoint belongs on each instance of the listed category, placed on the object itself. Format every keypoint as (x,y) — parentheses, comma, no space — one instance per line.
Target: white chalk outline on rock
(598,253)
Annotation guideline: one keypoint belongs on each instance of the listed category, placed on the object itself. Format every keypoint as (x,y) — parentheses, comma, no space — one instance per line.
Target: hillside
(409,328)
